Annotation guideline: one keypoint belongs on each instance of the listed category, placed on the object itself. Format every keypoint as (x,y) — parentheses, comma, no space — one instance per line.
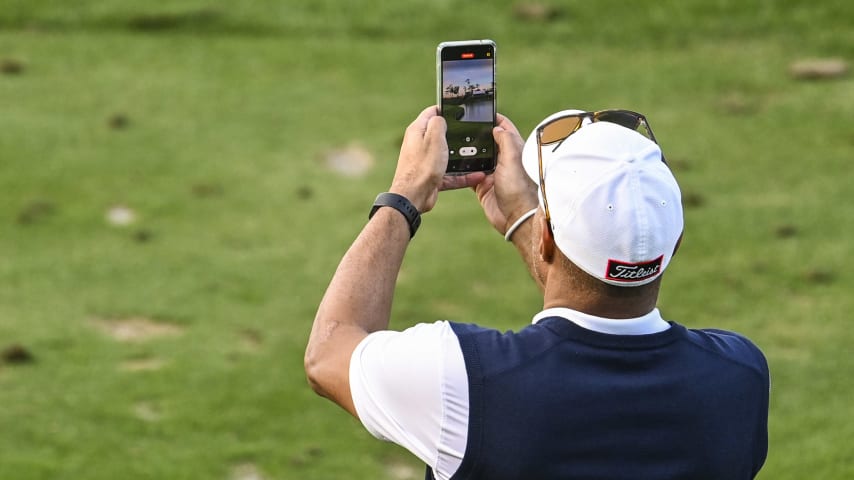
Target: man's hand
(509,192)
(423,160)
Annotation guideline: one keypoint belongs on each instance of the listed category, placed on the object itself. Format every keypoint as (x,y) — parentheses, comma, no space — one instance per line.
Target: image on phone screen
(467,89)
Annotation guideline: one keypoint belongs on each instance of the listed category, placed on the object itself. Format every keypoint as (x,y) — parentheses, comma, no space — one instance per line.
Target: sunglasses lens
(559,129)
(628,120)
(625,119)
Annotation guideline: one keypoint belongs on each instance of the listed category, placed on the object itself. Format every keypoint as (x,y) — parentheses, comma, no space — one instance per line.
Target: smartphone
(466,95)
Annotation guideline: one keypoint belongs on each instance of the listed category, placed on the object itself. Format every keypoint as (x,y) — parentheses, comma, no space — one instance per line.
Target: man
(599,386)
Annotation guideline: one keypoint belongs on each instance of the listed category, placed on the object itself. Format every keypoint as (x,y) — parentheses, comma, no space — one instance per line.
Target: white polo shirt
(411,387)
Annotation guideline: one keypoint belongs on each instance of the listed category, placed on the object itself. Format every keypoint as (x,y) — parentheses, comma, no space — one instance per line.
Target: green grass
(230,111)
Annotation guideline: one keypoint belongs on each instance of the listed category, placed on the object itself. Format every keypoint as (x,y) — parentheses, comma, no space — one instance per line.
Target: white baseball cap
(615,207)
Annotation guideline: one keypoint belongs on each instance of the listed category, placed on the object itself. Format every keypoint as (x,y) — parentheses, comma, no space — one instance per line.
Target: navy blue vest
(557,401)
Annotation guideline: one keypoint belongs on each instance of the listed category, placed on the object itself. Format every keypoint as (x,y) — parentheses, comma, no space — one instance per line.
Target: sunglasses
(559,129)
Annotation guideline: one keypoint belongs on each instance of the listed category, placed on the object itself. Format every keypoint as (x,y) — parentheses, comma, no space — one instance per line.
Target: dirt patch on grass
(147,412)
(120,216)
(137,329)
(398,470)
(818,69)
(246,471)
(351,161)
(536,12)
(737,103)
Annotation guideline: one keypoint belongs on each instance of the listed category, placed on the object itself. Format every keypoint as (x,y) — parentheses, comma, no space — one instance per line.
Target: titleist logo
(633,272)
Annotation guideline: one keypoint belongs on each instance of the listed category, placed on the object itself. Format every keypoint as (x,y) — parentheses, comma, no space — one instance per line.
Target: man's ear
(547,241)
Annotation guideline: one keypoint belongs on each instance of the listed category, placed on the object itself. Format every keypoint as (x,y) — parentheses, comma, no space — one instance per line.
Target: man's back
(559,401)
(596,215)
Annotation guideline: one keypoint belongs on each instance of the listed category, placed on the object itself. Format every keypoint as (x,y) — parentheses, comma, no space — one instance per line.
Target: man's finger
(435,130)
(421,121)
(485,186)
(506,124)
(454,182)
(502,139)
(509,143)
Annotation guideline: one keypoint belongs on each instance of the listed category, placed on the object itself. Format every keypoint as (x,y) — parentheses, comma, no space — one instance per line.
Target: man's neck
(563,290)
(603,308)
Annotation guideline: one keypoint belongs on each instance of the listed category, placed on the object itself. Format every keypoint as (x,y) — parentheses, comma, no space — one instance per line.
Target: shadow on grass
(203,22)
(11,66)
(35,212)
(164,22)
(16,354)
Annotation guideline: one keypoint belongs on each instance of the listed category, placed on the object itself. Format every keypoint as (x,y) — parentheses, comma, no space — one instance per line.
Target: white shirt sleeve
(411,388)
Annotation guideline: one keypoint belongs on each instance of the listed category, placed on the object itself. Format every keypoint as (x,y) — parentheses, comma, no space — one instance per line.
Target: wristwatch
(402,205)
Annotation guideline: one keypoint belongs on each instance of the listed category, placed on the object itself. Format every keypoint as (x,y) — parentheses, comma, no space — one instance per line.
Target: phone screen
(467,92)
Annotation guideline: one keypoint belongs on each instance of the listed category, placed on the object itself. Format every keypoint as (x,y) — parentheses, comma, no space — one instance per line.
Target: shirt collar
(647,324)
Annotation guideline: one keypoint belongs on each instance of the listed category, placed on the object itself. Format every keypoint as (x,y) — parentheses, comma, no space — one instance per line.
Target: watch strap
(402,205)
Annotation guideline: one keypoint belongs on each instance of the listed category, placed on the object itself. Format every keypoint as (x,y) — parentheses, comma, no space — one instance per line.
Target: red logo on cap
(633,272)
